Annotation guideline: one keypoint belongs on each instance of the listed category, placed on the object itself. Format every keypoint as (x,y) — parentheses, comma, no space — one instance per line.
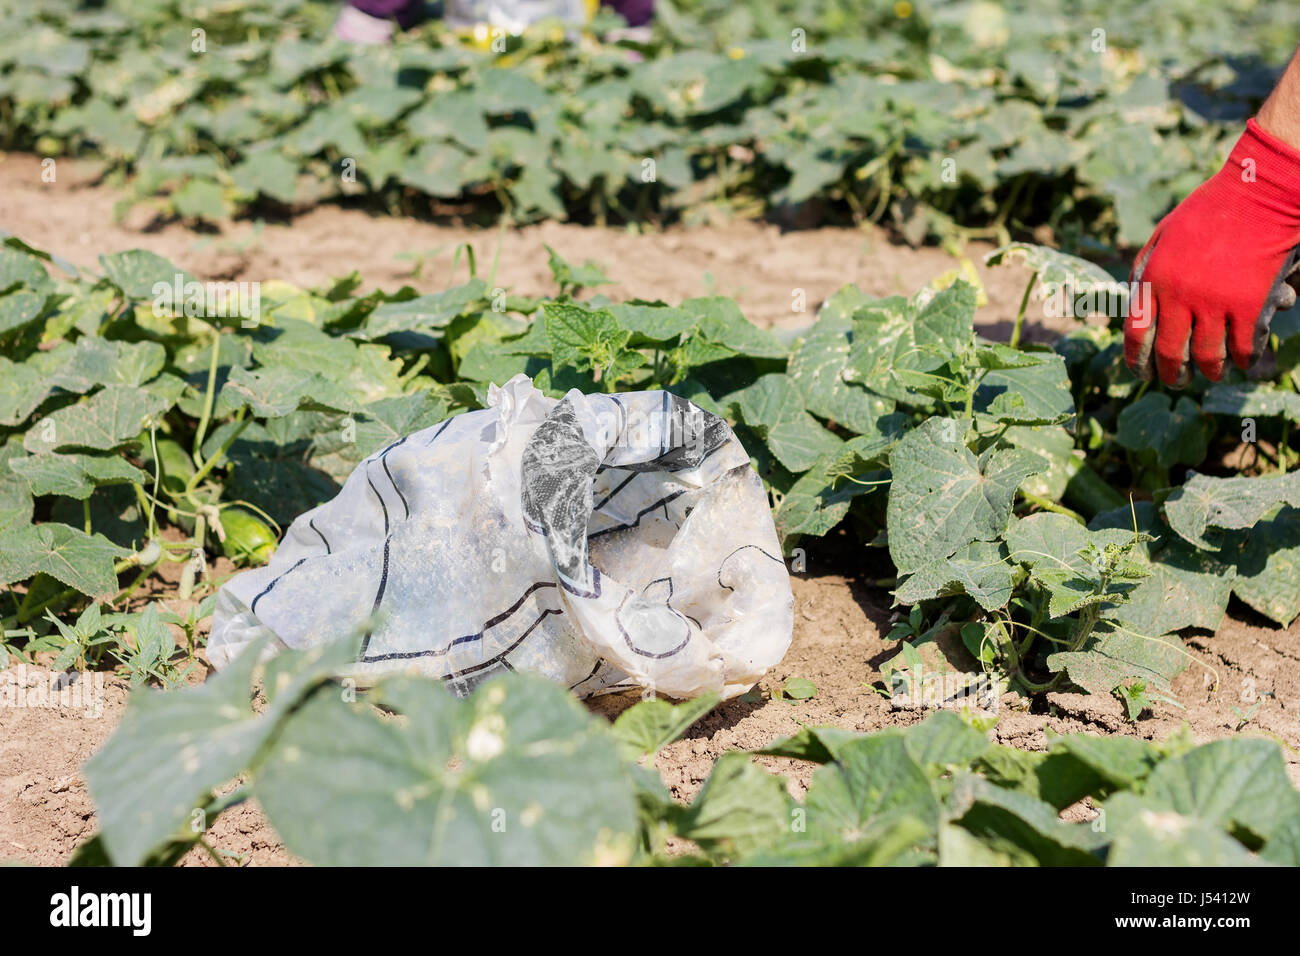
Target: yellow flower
(902,9)
(736,53)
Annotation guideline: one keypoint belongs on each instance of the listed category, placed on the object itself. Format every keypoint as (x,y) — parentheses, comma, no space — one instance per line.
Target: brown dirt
(755,263)
(45,809)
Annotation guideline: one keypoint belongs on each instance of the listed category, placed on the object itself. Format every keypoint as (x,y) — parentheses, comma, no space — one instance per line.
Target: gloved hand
(1217,266)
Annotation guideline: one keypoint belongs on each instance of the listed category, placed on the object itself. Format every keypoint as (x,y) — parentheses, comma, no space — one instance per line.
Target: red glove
(1217,266)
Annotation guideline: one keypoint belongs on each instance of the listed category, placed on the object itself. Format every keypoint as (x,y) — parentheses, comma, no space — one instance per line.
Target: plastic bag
(606,541)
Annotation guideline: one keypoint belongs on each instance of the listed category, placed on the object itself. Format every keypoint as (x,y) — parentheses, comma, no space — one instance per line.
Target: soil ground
(840,622)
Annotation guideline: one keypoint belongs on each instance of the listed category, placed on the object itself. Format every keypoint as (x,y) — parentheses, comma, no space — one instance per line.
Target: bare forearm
(1280,114)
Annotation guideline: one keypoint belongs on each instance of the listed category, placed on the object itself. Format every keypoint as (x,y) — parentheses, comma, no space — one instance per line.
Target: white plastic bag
(607,541)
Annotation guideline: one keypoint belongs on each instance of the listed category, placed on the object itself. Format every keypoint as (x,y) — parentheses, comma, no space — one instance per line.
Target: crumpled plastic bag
(606,541)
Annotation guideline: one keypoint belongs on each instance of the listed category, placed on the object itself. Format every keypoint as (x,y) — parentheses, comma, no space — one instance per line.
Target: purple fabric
(637,13)
(406,12)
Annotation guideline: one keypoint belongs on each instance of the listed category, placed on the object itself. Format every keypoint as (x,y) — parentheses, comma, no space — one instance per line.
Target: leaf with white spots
(173,748)
(518,774)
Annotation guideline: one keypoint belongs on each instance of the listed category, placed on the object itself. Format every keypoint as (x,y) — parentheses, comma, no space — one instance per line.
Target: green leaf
(1107,660)
(873,779)
(817,369)
(1056,270)
(1268,566)
(643,729)
(773,408)
(173,748)
(136,271)
(1234,503)
(1122,762)
(78,560)
(267,172)
(820,499)
(652,324)
(433,311)
(799,688)
(1037,394)
(589,341)
(1052,546)
(818,744)
(942,497)
(1284,844)
(111,417)
(519,773)
(1055,445)
(1148,835)
(980,569)
(20,309)
(95,361)
(1250,400)
(20,268)
(1177,436)
(22,390)
(944,741)
(1187,587)
(16,506)
(998,816)
(741,808)
(75,476)
(720,321)
(569,276)
(1237,782)
(201,199)
(276,391)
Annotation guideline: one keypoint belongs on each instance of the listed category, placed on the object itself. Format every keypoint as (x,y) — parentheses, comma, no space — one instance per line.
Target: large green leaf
(1032,394)
(111,417)
(1268,566)
(77,559)
(817,370)
(276,391)
(980,569)
(137,271)
(74,475)
(1251,399)
(1148,834)
(773,408)
(1236,782)
(1000,816)
(1187,587)
(1176,435)
(942,497)
(1052,547)
(172,748)
(22,389)
(1233,503)
(820,499)
(93,360)
(1107,660)
(517,774)
(432,311)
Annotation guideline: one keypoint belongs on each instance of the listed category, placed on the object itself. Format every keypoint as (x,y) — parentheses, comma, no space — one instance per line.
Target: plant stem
(1020,315)
(205,417)
(215,459)
(1048,505)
